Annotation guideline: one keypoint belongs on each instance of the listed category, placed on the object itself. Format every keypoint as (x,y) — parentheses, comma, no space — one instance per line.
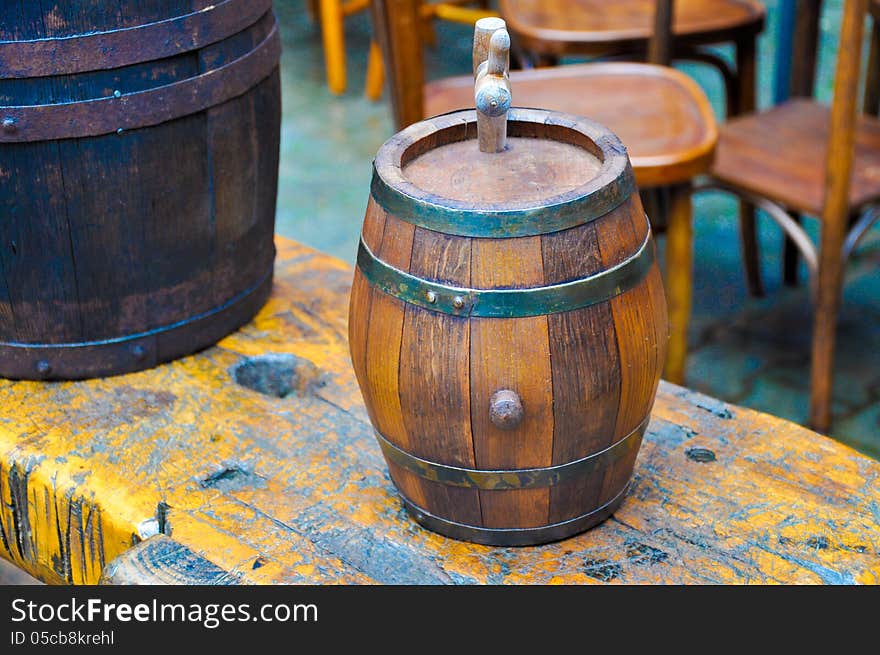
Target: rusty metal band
(81,53)
(532,478)
(502,224)
(125,111)
(133,352)
(507,303)
(514,536)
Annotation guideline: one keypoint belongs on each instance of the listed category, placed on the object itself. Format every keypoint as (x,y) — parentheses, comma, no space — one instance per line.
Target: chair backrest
(397,30)
(844,114)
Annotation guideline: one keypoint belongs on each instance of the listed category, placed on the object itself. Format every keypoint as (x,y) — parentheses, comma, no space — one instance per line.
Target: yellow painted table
(257,458)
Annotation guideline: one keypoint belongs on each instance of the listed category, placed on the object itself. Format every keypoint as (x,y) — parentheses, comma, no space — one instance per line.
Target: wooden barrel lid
(558,171)
(528,170)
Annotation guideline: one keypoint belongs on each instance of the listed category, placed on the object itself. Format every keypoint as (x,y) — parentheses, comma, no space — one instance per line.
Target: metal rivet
(120,131)
(138,352)
(9,125)
(458,302)
(431,296)
(43,367)
(117,93)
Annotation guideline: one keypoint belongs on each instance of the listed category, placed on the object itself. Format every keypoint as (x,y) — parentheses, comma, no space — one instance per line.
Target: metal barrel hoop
(124,111)
(532,478)
(612,186)
(507,303)
(514,536)
(104,50)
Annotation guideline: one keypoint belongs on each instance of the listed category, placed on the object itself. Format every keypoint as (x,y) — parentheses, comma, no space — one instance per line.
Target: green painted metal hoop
(514,536)
(533,478)
(507,303)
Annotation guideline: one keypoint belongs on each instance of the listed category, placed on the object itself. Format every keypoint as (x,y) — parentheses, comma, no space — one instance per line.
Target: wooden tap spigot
(492,83)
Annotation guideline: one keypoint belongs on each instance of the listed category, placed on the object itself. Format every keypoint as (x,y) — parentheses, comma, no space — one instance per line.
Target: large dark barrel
(138,179)
(508,325)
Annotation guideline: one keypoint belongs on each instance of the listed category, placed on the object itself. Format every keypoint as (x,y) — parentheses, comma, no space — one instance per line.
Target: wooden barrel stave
(121,236)
(512,353)
(434,375)
(62,18)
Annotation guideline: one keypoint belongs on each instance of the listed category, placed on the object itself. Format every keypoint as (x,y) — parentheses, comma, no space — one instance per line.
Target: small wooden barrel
(507,325)
(138,177)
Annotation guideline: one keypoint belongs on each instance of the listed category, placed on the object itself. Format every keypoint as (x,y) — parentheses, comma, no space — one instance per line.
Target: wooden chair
(872,85)
(660,113)
(548,29)
(804,158)
(332,14)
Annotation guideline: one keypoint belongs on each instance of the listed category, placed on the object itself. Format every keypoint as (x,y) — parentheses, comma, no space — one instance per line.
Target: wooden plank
(295,489)
(511,354)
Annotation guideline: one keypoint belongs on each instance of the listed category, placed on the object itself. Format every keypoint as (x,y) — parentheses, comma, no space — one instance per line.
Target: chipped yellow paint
(295,490)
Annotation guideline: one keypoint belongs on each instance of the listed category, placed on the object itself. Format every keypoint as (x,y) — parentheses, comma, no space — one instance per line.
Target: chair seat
(661,115)
(588,26)
(780,154)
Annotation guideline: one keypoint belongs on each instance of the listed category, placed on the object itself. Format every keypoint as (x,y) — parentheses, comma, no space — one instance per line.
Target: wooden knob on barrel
(506,409)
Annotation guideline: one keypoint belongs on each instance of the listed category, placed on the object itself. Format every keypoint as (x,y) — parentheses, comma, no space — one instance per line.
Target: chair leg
(827,308)
(746,54)
(541,60)
(312,9)
(746,73)
(333,33)
(751,250)
(791,259)
(679,279)
(375,73)
(872,84)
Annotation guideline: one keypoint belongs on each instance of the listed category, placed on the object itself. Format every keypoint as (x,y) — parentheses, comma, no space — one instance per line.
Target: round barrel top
(558,171)
(529,170)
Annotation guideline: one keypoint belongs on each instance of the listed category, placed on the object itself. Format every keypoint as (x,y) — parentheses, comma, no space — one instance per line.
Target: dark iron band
(514,536)
(502,224)
(507,303)
(532,478)
(81,53)
(126,111)
(133,352)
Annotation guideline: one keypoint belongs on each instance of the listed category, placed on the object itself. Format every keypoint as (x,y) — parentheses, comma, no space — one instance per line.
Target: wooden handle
(492,83)
(483,31)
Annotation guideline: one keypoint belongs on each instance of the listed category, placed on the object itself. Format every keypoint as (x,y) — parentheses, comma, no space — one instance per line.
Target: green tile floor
(753,352)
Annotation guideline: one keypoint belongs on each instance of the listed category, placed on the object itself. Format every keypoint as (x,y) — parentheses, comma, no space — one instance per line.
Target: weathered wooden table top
(257,488)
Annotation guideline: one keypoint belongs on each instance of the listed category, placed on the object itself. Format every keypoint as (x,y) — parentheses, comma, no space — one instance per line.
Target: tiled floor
(751,352)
